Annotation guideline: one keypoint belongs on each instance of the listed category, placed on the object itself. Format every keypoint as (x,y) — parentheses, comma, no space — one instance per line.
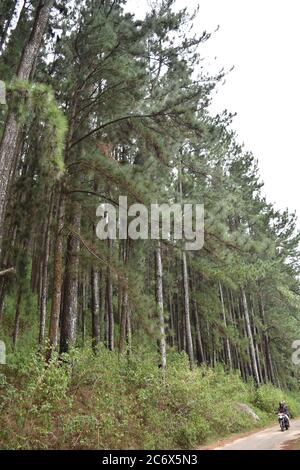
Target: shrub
(107,401)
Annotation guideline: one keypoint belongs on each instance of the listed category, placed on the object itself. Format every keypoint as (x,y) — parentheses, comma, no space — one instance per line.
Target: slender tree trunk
(110,312)
(183,325)
(102,305)
(129,331)
(83,308)
(36,266)
(189,340)
(149,272)
(106,316)
(10,136)
(178,323)
(187,319)
(123,319)
(228,350)
(17,319)
(123,301)
(255,339)
(70,305)
(235,358)
(160,306)
(172,322)
(57,281)
(95,288)
(199,342)
(250,338)
(239,321)
(44,276)
(266,341)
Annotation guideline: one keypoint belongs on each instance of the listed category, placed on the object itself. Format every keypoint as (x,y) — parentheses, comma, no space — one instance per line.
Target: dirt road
(268,439)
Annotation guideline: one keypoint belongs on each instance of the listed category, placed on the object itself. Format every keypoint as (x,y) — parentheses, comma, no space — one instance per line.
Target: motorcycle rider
(284,410)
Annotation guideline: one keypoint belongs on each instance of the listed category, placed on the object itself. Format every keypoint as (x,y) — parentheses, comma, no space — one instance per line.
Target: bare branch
(7,271)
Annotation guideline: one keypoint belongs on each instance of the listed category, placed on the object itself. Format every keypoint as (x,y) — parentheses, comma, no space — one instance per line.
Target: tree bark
(44,276)
(102,305)
(228,350)
(95,289)
(266,341)
(70,305)
(172,322)
(199,342)
(57,281)
(188,329)
(123,300)
(109,306)
(123,319)
(84,307)
(17,319)
(160,306)
(250,338)
(129,331)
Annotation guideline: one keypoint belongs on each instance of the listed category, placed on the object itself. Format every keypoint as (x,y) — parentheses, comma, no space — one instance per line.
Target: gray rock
(2,353)
(2,93)
(246,409)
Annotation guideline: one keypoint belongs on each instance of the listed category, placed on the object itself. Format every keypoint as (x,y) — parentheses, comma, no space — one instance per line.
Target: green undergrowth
(109,402)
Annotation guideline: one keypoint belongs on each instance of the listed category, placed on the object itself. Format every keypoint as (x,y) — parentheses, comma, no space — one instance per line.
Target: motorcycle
(283,421)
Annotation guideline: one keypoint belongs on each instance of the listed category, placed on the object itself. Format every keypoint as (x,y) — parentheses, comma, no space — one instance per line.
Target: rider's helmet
(282,403)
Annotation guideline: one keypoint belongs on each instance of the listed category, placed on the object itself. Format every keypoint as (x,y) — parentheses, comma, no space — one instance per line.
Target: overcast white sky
(261,38)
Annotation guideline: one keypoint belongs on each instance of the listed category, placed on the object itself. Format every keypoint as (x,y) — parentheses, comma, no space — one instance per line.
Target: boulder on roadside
(246,409)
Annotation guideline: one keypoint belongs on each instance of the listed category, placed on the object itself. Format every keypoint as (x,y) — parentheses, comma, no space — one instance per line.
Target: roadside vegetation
(108,401)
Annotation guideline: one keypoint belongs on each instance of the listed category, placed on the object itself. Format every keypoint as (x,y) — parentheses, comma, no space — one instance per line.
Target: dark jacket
(283,409)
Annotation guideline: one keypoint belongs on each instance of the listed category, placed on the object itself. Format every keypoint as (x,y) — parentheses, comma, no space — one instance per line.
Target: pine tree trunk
(70,304)
(58,273)
(182,326)
(123,319)
(199,342)
(172,322)
(123,301)
(228,350)
(176,321)
(160,306)
(255,337)
(44,276)
(260,372)
(95,289)
(17,319)
(102,306)
(238,320)
(250,338)
(129,331)
(188,329)
(83,309)
(109,293)
(36,268)
(236,358)
(10,136)
(266,341)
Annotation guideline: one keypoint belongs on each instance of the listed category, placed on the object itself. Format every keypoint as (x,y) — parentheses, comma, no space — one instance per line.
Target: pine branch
(7,271)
